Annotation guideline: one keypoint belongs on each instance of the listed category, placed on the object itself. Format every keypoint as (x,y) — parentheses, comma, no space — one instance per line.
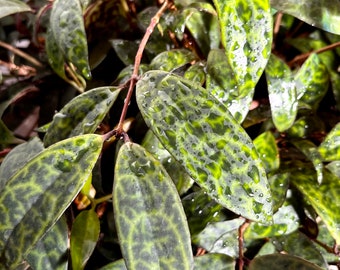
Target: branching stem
(138,59)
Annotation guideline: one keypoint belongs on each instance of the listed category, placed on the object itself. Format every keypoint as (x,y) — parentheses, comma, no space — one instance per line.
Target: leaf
(172,60)
(9,7)
(151,223)
(319,13)
(312,81)
(126,50)
(221,237)
(214,261)
(37,195)
(48,255)
(196,73)
(17,158)
(67,26)
(84,236)
(285,221)
(281,262)
(324,197)
(265,145)
(116,265)
(81,115)
(279,184)
(246,33)
(178,175)
(282,93)
(202,135)
(6,136)
(329,149)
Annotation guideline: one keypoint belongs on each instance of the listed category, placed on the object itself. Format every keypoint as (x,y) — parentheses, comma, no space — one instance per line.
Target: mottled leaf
(151,223)
(50,253)
(306,126)
(285,221)
(200,210)
(265,145)
(41,191)
(311,152)
(17,158)
(246,30)
(312,81)
(126,50)
(279,184)
(196,73)
(329,149)
(172,60)
(333,167)
(202,135)
(282,93)
(221,237)
(9,7)
(320,13)
(177,173)
(214,261)
(81,115)
(324,197)
(298,244)
(84,236)
(67,26)
(281,262)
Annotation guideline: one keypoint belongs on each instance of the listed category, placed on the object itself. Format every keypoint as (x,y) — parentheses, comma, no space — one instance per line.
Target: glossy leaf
(17,158)
(265,145)
(126,50)
(9,7)
(50,253)
(172,60)
(281,262)
(150,220)
(67,27)
(214,261)
(312,81)
(319,13)
(41,191)
(298,244)
(324,197)
(84,236)
(178,175)
(329,149)
(196,73)
(221,237)
(311,152)
(279,184)
(333,167)
(193,127)
(246,30)
(81,115)
(285,221)
(282,93)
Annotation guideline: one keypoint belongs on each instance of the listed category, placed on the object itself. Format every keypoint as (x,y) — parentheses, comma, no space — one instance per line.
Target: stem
(138,59)
(21,53)
(305,55)
(241,230)
(277,27)
(103,199)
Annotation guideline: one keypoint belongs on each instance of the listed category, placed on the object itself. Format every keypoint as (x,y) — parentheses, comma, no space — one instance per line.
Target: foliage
(183,135)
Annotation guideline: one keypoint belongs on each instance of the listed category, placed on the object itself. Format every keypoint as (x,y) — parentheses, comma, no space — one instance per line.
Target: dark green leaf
(81,115)
(35,197)
(279,184)
(67,26)
(330,147)
(6,136)
(17,158)
(117,265)
(285,221)
(193,127)
(281,262)
(282,93)
(196,73)
(246,29)
(265,145)
(12,6)
(126,50)
(319,13)
(312,81)
(84,236)
(50,253)
(151,223)
(324,197)
(214,261)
